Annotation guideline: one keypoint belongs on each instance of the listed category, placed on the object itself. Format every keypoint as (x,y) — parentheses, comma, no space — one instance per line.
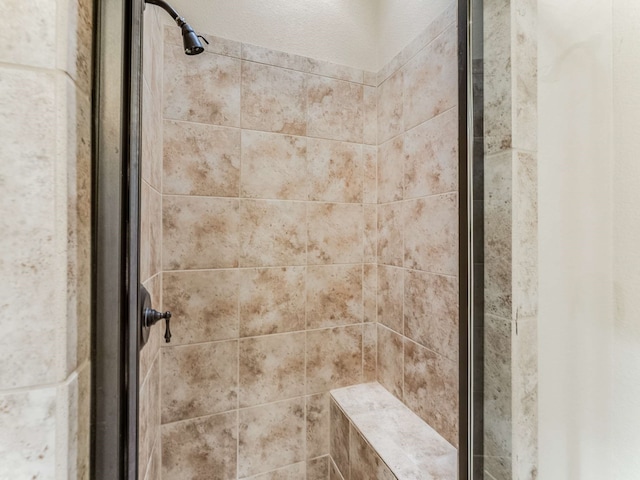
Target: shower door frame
(465,241)
(115,238)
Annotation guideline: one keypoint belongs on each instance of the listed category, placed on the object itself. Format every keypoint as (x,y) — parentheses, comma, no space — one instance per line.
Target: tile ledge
(410,447)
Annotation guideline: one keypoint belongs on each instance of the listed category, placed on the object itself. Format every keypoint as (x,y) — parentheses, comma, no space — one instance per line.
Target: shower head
(190,39)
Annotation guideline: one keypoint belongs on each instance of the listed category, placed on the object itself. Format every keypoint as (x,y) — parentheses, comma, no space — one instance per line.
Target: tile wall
(510,240)
(268,257)
(417,225)
(45,219)
(151,241)
(309,242)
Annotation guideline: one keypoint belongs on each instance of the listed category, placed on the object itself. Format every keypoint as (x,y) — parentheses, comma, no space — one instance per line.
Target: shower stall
(323,227)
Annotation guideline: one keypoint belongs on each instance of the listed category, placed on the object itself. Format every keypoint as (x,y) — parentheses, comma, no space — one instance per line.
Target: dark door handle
(149,317)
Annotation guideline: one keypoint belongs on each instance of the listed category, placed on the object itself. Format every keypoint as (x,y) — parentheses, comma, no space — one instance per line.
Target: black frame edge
(465,460)
(115,236)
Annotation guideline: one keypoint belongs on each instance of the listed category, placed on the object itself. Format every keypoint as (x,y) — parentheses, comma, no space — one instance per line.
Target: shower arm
(167,8)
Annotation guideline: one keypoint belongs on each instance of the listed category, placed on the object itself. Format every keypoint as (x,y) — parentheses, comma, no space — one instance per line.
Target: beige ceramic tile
(29,343)
(152,52)
(149,354)
(369,292)
(431,389)
(79,426)
(201,160)
(333,70)
(525,394)
(525,67)
(78,234)
(390,293)
(273,99)
(317,425)
(369,352)
(18,46)
(28,442)
(199,380)
(274,166)
(431,156)
(498,234)
(149,417)
(271,436)
(431,312)
(272,233)
(370,78)
(290,472)
(364,463)
(154,467)
(390,105)
(370,105)
(334,295)
(390,364)
(335,170)
(390,234)
(525,235)
(271,368)
(200,449)
(199,233)
(390,168)
(334,473)
(334,358)
(498,359)
(335,109)
(409,446)
(370,184)
(204,305)
(498,467)
(335,233)
(431,234)
(75,31)
(203,88)
(370,233)
(318,468)
(151,143)
(497,110)
(431,79)
(145,232)
(498,419)
(276,58)
(339,438)
(272,300)
(155,232)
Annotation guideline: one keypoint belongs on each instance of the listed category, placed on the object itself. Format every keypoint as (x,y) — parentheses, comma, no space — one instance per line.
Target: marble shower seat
(374,436)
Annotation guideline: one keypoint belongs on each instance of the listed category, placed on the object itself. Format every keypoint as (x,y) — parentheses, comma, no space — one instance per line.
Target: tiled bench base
(374,436)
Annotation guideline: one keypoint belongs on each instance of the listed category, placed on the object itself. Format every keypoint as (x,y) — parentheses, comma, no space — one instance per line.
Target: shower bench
(374,436)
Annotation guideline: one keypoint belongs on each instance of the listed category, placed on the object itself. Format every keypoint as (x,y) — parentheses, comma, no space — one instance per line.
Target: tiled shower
(300,222)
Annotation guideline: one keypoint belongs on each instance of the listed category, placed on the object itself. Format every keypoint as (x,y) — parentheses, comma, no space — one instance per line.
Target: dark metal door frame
(465,241)
(116,201)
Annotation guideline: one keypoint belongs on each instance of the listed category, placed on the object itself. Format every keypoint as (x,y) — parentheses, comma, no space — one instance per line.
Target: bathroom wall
(151,242)
(330,30)
(268,256)
(510,240)
(575,239)
(626,178)
(45,217)
(399,22)
(418,225)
